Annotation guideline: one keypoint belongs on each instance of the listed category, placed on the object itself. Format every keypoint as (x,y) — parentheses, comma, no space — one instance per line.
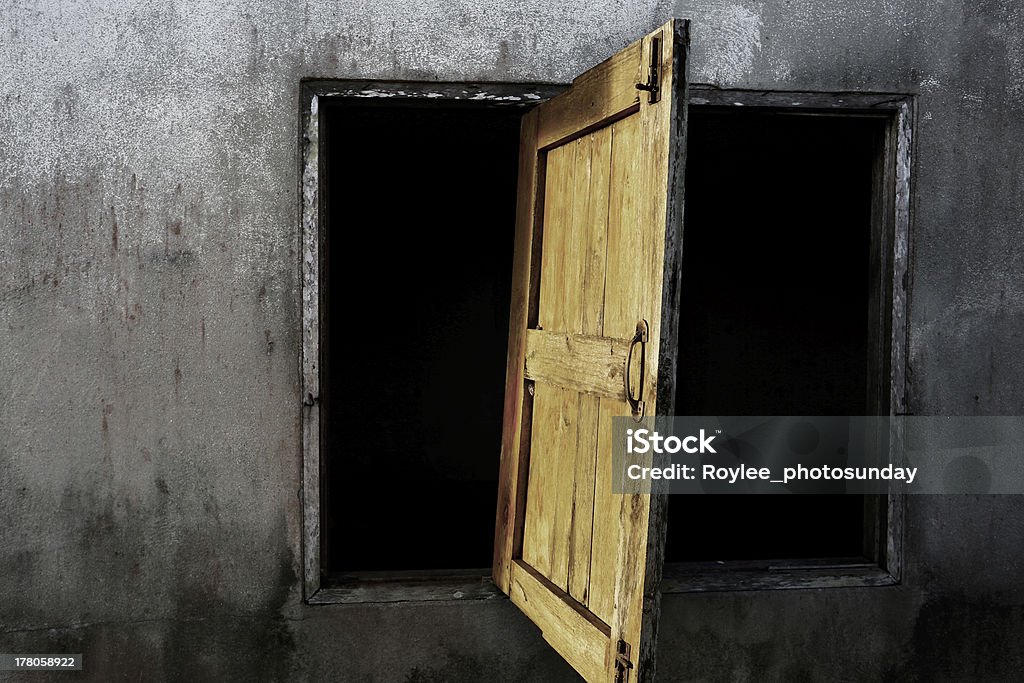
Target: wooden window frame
(890,242)
(364,587)
(891,219)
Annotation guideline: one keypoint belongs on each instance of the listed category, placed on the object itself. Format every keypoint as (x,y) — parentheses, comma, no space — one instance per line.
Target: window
(425,359)
(776,290)
(809,320)
(408,177)
(574,210)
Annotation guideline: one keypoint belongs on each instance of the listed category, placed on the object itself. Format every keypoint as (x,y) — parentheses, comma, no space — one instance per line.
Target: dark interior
(420,209)
(776,259)
(420,204)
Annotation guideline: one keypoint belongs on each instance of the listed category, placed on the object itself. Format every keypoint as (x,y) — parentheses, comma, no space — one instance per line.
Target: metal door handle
(636,404)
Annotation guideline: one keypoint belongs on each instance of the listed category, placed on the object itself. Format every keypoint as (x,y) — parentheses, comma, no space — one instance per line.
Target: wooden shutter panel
(597,252)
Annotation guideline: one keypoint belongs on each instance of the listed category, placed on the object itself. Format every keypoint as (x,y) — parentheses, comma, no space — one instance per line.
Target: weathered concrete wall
(959,614)
(149,459)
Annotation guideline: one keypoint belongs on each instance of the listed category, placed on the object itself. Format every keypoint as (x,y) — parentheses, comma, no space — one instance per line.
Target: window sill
(710,577)
(426,586)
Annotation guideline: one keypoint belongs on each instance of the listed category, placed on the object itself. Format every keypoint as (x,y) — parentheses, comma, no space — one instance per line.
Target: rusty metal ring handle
(636,405)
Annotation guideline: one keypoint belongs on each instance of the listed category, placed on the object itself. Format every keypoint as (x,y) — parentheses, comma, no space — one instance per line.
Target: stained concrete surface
(149,316)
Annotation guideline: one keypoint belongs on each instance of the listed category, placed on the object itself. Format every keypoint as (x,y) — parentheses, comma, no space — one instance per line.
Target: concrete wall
(149,310)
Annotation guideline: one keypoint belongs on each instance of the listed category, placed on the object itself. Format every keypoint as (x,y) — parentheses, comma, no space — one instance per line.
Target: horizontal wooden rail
(589,365)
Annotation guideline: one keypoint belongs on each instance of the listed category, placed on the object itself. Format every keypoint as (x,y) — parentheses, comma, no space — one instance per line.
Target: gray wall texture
(149,332)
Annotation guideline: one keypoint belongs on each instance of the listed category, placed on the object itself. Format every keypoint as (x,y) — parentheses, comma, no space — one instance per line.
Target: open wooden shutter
(597,255)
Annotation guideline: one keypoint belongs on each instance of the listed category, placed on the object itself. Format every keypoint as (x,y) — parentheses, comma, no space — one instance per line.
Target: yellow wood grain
(626,301)
(549,499)
(594,184)
(574,634)
(562,260)
(643,253)
(593,176)
(512,469)
(547,527)
(582,527)
(605,533)
(597,96)
(583,363)
(594,216)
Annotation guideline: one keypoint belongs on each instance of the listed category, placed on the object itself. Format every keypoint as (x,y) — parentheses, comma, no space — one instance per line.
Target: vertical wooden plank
(641,517)
(547,532)
(672,266)
(902,130)
(592,214)
(622,308)
(514,467)
(582,528)
(562,260)
(594,219)
(581,500)
(605,534)
(549,501)
(311,199)
(624,281)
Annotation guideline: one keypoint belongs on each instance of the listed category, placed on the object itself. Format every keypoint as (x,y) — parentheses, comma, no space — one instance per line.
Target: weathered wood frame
(606,93)
(892,219)
(365,587)
(890,242)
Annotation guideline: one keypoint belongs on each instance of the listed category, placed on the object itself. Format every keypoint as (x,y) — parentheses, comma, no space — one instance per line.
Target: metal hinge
(653,84)
(622,662)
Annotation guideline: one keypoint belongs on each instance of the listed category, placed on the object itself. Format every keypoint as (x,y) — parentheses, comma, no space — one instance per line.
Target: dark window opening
(775,299)
(418,215)
(416,277)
